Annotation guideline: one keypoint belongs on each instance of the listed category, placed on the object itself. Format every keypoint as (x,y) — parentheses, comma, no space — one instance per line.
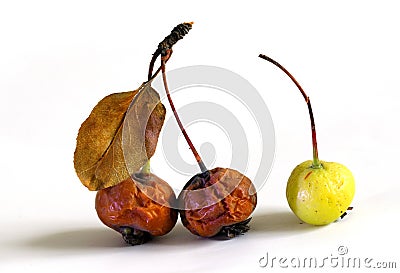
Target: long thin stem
(194,151)
(316,163)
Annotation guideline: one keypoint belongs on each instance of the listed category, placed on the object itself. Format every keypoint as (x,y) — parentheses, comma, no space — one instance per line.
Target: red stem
(196,155)
(316,163)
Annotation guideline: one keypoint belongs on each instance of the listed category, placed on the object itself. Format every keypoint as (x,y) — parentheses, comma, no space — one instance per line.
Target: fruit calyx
(316,164)
(134,236)
(236,229)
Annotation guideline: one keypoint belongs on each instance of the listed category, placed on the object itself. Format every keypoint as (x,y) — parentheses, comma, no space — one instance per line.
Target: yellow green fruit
(319,196)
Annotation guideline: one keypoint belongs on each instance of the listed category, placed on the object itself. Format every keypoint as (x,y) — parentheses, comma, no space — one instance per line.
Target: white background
(58,58)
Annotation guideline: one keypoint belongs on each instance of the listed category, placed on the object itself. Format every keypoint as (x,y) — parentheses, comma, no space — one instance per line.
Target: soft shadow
(278,222)
(273,223)
(179,236)
(87,238)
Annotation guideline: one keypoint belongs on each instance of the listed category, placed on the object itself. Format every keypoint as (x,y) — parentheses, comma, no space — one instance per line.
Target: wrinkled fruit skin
(225,200)
(320,196)
(128,209)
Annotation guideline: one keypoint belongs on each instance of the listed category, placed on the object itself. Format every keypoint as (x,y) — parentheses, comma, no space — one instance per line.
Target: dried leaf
(118,137)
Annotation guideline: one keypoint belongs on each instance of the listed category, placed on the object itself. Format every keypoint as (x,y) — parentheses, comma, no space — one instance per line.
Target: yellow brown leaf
(118,137)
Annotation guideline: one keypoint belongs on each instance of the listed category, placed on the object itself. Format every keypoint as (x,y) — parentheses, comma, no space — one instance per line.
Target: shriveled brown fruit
(118,137)
(139,208)
(218,201)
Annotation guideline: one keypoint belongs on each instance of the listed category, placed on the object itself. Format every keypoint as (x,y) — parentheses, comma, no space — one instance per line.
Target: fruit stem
(194,151)
(151,65)
(146,167)
(316,163)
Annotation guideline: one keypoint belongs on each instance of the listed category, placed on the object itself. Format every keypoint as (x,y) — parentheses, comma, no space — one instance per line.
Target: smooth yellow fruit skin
(320,196)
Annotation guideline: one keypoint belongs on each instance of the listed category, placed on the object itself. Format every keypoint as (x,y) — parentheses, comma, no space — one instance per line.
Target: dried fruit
(139,207)
(217,201)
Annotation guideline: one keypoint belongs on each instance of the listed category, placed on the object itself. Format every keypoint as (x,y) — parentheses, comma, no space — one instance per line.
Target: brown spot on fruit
(307,175)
